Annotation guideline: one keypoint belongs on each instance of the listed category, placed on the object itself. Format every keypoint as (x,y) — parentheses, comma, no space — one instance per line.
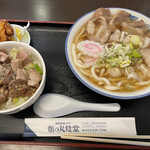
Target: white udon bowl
(72,32)
(38,58)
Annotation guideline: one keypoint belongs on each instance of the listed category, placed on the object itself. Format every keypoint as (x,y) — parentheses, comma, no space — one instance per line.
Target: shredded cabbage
(119,55)
(24,29)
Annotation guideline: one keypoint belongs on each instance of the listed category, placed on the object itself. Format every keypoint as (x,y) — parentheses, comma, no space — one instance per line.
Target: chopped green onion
(140,61)
(119,55)
(127,88)
(131,46)
(122,44)
(136,54)
(29,66)
(131,56)
(100,63)
(13,53)
(107,66)
(38,69)
(15,100)
(135,40)
(21,100)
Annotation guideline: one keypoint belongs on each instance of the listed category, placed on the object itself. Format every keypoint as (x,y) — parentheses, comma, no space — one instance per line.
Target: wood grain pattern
(63,10)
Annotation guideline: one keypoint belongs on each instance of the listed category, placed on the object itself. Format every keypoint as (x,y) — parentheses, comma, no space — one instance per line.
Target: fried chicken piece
(6,31)
(9,29)
(3,36)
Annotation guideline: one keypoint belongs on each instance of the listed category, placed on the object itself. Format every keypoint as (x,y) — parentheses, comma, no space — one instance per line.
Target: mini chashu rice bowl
(68,50)
(9,45)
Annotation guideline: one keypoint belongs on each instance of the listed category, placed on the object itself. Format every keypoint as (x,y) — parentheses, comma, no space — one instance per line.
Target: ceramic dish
(20,34)
(68,45)
(36,57)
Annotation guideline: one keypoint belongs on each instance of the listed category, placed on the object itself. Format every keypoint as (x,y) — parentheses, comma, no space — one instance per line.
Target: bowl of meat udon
(22,76)
(108,50)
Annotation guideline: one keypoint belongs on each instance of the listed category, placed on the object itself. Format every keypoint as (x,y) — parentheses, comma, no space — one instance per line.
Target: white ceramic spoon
(55,105)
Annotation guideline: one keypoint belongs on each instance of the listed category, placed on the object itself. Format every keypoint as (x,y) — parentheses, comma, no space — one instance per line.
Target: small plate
(20,34)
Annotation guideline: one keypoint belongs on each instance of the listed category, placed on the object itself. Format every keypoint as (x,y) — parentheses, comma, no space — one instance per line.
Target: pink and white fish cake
(91,48)
(89,61)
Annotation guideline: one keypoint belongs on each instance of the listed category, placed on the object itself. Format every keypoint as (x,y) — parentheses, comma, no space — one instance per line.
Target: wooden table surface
(63,10)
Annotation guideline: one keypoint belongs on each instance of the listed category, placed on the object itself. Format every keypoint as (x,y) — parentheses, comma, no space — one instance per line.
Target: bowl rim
(82,80)
(29,37)
(11,110)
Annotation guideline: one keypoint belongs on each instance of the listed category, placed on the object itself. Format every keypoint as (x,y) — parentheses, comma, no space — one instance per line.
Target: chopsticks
(104,138)
(107,136)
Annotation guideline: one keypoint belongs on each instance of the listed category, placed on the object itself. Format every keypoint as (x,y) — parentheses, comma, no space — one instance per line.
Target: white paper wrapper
(46,127)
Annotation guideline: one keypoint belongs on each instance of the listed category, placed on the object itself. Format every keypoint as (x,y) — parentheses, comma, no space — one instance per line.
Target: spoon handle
(100,107)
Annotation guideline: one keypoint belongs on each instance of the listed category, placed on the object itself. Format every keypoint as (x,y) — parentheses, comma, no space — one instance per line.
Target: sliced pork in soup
(113,51)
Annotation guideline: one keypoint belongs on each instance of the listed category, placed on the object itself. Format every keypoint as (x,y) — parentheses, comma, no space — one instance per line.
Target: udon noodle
(112,51)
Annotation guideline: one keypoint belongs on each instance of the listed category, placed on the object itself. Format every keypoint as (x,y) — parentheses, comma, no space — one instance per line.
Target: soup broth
(112,51)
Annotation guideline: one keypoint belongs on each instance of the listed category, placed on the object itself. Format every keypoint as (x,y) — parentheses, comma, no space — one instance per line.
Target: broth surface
(112,51)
